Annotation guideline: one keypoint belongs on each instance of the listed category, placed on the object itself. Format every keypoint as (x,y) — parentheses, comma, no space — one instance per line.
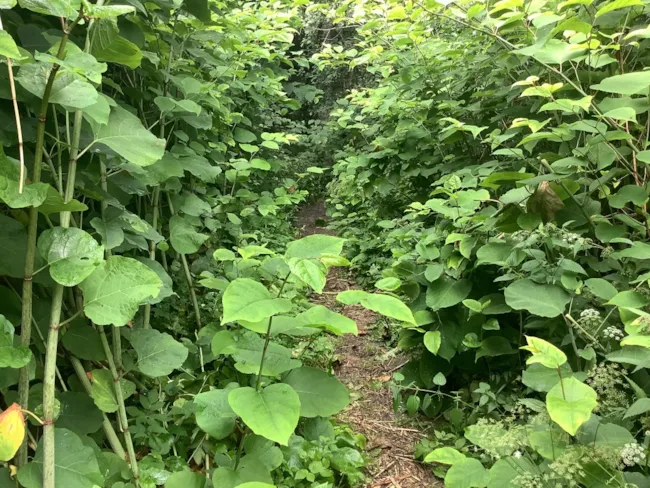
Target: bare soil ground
(364,366)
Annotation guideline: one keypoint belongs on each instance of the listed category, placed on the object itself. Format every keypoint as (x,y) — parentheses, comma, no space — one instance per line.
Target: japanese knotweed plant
(263,304)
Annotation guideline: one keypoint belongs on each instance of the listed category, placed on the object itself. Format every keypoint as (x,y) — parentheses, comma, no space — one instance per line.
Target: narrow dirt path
(363,366)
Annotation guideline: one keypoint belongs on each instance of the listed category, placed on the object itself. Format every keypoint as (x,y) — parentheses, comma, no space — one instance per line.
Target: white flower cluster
(632,453)
(613,332)
(590,319)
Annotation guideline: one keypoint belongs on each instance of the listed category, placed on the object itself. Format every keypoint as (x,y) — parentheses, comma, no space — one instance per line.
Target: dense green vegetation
(485,166)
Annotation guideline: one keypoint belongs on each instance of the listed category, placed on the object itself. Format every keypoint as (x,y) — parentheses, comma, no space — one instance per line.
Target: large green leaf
(158,353)
(107,45)
(32,195)
(248,351)
(8,47)
(10,355)
(126,135)
(311,271)
(58,8)
(321,394)
(54,203)
(83,341)
(72,254)
(102,390)
(383,304)
(186,479)
(246,299)
(78,413)
(75,464)
(627,84)
(322,317)
(272,413)
(432,341)
(617,5)
(469,473)
(570,403)
(13,247)
(445,292)
(115,289)
(234,478)
(167,284)
(314,247)
(214,414)
(198,8)
(543,300)
(544,352)
(69,89)
(184,237)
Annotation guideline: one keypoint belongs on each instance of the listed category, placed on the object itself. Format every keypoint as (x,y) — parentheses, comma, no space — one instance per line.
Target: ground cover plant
(485,166)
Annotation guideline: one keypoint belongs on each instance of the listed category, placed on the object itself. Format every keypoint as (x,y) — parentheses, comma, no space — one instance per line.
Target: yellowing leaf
(12,431)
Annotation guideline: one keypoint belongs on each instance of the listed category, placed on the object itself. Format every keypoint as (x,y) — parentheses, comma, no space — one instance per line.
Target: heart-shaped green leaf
(272,413)
(321,394)
(72,254)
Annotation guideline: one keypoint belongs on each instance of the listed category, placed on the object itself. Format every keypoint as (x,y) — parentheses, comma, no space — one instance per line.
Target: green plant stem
(32,232)
(111,435)
(119,397)
(188,275)
(49,368)
(258,384)
(146,321)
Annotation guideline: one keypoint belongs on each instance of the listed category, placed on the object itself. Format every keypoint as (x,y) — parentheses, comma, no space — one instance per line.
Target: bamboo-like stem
(32,230)
(111,435)
(152,251)
(19,127)
(188,275)
(49,369)
(119,396)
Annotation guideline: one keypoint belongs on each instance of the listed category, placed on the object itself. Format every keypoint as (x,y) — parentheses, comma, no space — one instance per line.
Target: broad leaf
(543,300)
(627,84)
(11,356)
(167,284)
(445,292)
(321,395)
(126,135)
(311,271)
(272,413)
(69,89)
(214,414)
(183,237)
(322,317)
(12,431)
(113,292)
(158,353)
(75,464)
(78,413)
(248,351)
(570,403)
(58,8)
(83,341)
(32,196)
(246,299)
(314,247)
(72,254)
(383,304)
(445,455)
(107,45)
(186,479)
(544,352)
(102,390)
(469,473)
(432,341)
